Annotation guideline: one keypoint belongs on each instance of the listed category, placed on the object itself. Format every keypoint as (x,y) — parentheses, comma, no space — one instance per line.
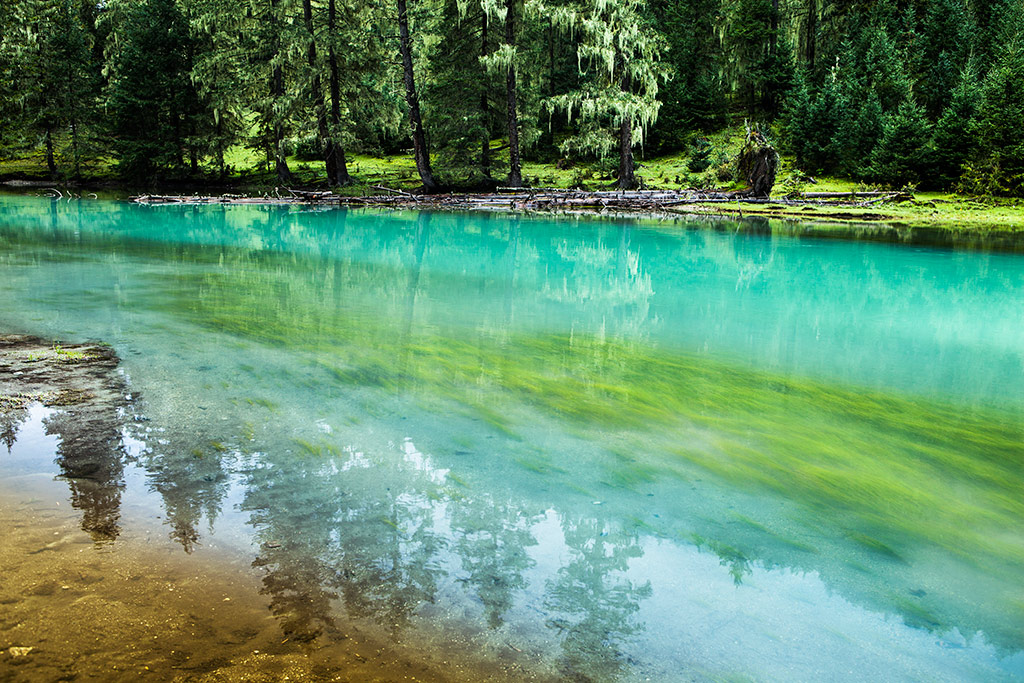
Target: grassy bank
(249,172)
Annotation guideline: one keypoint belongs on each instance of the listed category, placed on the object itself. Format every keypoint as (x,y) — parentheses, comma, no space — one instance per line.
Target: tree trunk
(551,57)
(515,173)
(627,167)
(220,149)
(419,141)
(319,108)
(74,150)
(284,175)
(812,32)
(51,165)
(758,164)
(770,96)
(773,36)
(334,148)
(485,110)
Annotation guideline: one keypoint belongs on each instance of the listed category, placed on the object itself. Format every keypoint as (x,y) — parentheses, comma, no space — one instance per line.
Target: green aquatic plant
(874,478)
(69,356)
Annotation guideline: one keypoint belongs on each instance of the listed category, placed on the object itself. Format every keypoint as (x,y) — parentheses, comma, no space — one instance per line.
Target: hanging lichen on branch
(757,163)
(620,66)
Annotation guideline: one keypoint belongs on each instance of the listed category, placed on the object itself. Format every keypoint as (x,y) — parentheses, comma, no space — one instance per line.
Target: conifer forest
(898,93)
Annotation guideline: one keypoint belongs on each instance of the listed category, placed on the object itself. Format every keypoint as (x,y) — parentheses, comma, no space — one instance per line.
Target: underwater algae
(881,475)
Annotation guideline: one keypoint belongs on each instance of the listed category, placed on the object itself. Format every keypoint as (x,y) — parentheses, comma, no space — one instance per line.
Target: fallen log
(392,191)
(850,195)
(525,200)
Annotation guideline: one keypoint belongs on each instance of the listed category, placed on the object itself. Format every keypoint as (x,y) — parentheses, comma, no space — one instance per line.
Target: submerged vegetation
(917,471)
(864,476)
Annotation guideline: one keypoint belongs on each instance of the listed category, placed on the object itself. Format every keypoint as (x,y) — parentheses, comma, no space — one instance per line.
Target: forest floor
(249,174)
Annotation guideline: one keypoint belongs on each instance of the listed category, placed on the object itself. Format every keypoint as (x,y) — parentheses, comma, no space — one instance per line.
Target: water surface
(609,450)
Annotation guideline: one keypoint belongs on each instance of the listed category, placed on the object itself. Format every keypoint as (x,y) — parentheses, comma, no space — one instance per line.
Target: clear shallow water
(628,450)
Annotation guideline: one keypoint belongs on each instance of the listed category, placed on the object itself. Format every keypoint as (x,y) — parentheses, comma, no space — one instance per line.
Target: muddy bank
(93,588)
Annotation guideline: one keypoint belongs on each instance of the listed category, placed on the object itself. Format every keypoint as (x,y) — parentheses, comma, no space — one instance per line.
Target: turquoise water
(634,450)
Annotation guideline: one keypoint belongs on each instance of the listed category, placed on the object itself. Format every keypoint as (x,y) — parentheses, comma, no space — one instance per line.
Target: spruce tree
(421,152)
(151,96)
(760,66)
(954,140)
(857,139)
(816,123)
(692,98)
(458,95)
(221,75)
(1000,120)
(902,154)
(51,75)
(948,35)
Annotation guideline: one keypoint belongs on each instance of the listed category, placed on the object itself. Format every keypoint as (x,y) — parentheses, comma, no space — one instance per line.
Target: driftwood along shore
(533,199)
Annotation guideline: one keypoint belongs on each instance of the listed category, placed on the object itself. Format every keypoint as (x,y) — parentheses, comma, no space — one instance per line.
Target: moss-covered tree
(620,59)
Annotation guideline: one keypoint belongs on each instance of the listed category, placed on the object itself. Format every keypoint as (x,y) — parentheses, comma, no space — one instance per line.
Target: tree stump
(757,163)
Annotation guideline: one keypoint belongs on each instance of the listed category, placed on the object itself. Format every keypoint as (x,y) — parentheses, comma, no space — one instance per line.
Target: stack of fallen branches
(535,199)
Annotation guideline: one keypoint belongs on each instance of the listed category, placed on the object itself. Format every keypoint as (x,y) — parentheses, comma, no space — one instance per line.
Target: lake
(564,447)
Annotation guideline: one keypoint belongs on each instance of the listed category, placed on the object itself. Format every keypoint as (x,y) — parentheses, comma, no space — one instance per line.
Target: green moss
(457,480)
(875,546)
(914,613)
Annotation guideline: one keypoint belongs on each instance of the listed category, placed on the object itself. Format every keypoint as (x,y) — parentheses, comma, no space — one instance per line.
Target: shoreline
(960,215)
(95,587)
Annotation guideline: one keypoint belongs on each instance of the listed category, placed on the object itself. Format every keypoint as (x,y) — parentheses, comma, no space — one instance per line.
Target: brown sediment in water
(87,595)
(137,610)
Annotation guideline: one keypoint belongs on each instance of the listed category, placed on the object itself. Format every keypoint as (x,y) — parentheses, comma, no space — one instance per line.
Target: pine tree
(746,37)
(51,76)
(507,54)
(220,73)
(692,98)
(947,40)
(1000,120)
(421,152)
(760,67)
(857,139)
(319,40)
(816,123)
(337,165)
(457,98)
